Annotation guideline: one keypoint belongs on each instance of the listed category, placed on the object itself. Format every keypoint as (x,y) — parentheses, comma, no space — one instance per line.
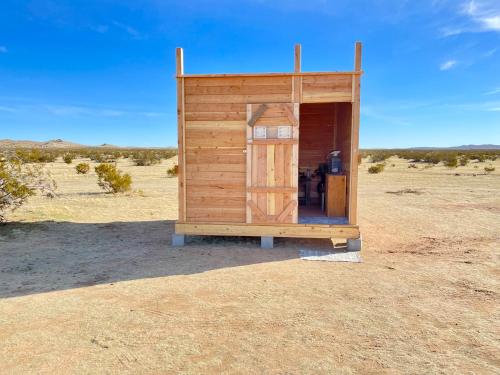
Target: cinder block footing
(178,239)
(266,242)
(354,244)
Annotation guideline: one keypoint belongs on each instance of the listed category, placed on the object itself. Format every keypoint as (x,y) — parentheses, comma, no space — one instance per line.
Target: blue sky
(102,71)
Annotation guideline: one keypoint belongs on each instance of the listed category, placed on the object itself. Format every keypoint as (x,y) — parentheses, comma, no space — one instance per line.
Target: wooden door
(272,163)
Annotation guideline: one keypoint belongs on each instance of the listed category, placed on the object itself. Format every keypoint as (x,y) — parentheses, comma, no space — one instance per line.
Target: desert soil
(90,284)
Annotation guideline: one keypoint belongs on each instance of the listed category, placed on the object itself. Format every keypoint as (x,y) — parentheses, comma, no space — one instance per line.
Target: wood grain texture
(355,118)
(317,128)
(335,196)
(216,157)
(179,64)
(277,230)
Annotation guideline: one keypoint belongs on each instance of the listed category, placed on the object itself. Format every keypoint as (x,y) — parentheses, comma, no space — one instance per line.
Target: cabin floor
(314,215)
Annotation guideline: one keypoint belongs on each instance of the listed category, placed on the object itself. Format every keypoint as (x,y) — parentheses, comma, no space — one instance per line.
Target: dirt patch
(89,284)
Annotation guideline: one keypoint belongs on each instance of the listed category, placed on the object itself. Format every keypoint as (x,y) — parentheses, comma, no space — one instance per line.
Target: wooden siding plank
(238,90)
(271,189)
(217,167)
(276,230)
(282,141)
(266,75)
(215,116)
(237,81)
(216,107)
(215,202)
(257,98)
(216,125)
(326,97)
(217,176)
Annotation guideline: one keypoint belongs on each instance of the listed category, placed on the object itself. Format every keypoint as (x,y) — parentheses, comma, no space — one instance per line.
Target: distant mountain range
(52,144)
(463,147)
(59,143)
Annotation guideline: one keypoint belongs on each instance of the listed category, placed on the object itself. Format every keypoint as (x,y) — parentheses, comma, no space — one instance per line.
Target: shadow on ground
(46,256)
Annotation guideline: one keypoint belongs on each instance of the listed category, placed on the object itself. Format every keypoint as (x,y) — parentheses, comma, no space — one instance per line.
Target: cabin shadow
(47,256)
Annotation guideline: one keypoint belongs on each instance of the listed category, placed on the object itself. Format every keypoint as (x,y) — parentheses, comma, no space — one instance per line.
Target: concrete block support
(354,244)
(266,242)
(178,239)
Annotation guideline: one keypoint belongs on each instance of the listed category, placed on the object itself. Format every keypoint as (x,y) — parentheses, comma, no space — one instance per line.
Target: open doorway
(323,184)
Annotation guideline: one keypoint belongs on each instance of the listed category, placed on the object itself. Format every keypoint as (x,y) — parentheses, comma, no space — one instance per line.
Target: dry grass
(89,284)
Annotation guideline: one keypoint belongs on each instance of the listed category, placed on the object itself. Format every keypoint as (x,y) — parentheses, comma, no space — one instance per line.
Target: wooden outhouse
(255,153)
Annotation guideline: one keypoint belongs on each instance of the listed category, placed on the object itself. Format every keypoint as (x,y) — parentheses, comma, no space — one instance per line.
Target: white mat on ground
(331,256)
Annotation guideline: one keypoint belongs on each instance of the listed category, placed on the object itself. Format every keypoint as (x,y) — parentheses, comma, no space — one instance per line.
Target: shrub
(102,156)
(431,158)
(379,157)
(463,160)
(19,181)
(377,168)
(36,156)
(450,162)
(412,165)
(172,172)
(111,179)
(480,158)
(68,158)
(82,168)
(146,158)
(489,169)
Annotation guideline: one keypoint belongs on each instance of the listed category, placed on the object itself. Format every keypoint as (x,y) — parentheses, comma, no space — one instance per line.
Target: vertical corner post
(179,61)
(297,80)
(296,99)
(353,183)
(297,58)
(357,56)
(179,71)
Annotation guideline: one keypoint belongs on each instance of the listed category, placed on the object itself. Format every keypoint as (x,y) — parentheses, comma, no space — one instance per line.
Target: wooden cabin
(254,153)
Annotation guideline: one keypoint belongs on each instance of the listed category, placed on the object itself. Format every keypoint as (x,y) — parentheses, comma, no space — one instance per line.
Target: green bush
(431,158)
(68,158)
(172,172)
(463,160)
(379,157)
(36,156)
(146,158)
(111,179)
(377,168)
(450,162)
(82,168)
(489,169)
(480,158)
(102,157)
(19,181)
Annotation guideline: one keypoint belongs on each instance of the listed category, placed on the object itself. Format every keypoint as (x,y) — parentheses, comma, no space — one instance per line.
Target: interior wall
(317,133)
(343,121)
(325,127)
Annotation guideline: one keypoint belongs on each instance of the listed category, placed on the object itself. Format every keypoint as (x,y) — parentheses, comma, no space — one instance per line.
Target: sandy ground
(90,284)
